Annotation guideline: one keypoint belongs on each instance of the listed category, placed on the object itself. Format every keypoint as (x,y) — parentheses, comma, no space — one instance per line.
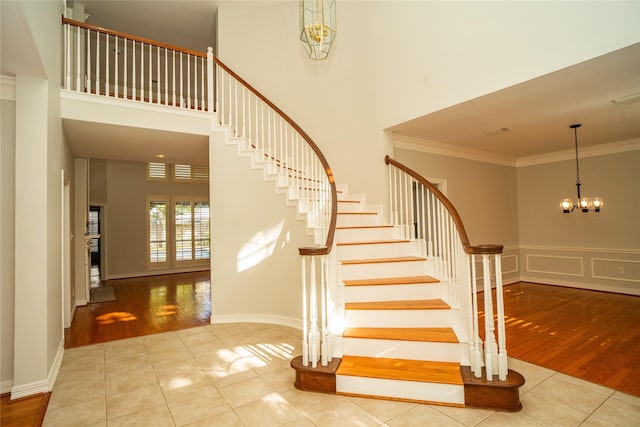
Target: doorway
(94,227)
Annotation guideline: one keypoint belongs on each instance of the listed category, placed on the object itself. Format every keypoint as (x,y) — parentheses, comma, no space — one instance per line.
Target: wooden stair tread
(443,335)
(401,369)
(407,280)
(348,201)
(358,213)
(349,227)
(382,260)
(427,304)
(372,242)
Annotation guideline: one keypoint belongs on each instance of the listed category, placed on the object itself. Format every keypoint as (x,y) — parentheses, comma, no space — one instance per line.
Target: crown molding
(425,146)
(431,147)
(592,151)
(7,88)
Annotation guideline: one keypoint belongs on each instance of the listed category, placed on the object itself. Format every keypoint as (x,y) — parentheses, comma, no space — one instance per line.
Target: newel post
(210,82)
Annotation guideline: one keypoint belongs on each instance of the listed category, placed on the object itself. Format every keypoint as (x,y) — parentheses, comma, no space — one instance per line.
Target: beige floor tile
(507,419)
(271,410)
(134,363)
(383,409)
(192,407)
(69,393)
(205,336)
(281,380)
(345,413)
(165,347)
(181,385)
(223,419)
(467,416)
(580,395)
(247,391)
(124,350)
(80,414)
(616,412)
(549,411)
(307,402)
(156,416)
(135,400)
(176,369)
(533,375)
(422,415)
(634,400)
(230,375)
(127,380)
(222,330)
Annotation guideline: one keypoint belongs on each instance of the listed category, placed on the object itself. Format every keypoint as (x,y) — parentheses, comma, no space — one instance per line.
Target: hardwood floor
(23,412)
(591,335)
(586,334)
(143,306)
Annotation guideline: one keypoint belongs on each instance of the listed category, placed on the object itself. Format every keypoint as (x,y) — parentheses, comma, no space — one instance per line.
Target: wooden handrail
(319,250)
(472,250)
(132,37)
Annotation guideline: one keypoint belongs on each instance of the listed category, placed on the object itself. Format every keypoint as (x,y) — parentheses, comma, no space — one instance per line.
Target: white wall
(396,60)
(255,266)
(7,240)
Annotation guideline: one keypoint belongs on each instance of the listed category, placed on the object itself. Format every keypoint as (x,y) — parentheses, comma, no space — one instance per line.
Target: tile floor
(238,374)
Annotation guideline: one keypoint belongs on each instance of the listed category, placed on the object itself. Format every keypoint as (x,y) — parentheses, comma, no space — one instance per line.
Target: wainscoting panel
(609,270)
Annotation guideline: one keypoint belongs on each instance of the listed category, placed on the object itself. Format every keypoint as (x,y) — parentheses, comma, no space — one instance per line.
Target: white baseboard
(257,318)
(5,386)
(55,368)
(159,272)
(37,387)
(587,286)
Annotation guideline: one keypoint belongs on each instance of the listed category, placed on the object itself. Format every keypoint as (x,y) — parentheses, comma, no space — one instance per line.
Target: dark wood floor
(143,306)
(590,335)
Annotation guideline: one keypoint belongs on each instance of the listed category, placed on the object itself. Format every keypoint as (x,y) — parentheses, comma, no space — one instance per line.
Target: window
(191,230)
(190,173)
(157,215)
(157,171)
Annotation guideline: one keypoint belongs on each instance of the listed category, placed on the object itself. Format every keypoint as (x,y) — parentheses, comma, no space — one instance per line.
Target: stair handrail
(468,248)
(456,261)
(313,250)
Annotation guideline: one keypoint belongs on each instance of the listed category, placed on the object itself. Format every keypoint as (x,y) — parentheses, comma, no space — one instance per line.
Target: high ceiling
(582,93)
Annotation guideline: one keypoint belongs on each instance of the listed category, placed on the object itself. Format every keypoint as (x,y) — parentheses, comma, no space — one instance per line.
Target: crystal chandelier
(318,21)
(585,204)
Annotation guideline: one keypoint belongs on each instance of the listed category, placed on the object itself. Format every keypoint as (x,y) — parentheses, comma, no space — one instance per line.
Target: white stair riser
(366,234)
(410,390)
(350,206)
(397,349)
(394,292)
(399,318)
(383,269)
(376,250)
(356,219)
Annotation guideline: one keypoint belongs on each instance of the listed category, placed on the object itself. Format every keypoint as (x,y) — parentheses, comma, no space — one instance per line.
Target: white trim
(618,261)
(422,145)
(7,88)
(581,274)
(592,151)
(431,147)
(5,386)
(581,285)
(257,318)
(159,272)
(577,249)
(30,389)
(80,302)
(517,264)
(57,362)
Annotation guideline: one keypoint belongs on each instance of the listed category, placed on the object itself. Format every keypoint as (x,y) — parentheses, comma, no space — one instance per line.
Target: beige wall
(255,268)
(122,188)
(396,60)
(582,249)
(7,239)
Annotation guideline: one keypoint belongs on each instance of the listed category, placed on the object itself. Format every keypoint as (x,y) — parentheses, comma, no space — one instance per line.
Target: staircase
(400,341)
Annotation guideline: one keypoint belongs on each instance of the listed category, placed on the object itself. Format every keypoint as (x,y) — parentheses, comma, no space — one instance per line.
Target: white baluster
(125,71)
(210,81)
(202,80)
(116,63)
(158,79)
(106,67)
(88,86)
(188,81)
(77,59)
(305,330)
(195,82)
(150,77)
(502,338)
(141,72)
(314,335)
(490,346)
(173,78)
(166,77)
(181,84)
(476,357)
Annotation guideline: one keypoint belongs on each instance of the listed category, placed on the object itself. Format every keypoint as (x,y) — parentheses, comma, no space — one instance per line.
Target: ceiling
(578,94)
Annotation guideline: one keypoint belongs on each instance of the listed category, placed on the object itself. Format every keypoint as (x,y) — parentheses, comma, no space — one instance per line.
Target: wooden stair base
(496,394)
(478,392)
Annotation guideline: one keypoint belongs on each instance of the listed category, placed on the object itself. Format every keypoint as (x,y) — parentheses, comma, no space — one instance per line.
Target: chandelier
(318,21)
(585,204)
